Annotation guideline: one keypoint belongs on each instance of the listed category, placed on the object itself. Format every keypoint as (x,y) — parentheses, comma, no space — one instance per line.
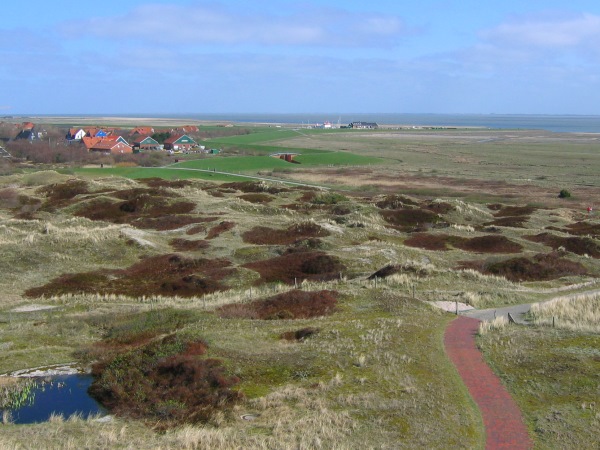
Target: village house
(188,129)
(146,143)
(75,134)
(28,131)
(109,144)
(179,143)
(142,131)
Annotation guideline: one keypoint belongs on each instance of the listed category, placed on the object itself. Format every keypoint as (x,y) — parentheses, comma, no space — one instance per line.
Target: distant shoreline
(554,123)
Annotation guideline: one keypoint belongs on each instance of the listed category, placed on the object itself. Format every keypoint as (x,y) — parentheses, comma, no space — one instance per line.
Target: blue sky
(224,56)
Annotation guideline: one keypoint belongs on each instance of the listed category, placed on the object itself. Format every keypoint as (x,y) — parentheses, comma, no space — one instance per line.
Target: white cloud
(204,23)
(548,32)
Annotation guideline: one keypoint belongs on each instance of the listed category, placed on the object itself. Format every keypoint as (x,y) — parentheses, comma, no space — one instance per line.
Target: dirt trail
(502,418)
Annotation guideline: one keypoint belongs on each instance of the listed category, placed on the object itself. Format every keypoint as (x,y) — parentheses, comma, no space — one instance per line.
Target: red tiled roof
(27,126)
(141,139)
(143,130)
(102,142)
(89,142)
(173,138)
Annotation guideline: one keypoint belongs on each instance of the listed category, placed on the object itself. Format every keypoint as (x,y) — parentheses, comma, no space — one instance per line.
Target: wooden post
(552,321)
(295,283)
(413,286)
(456,306)
(375,282)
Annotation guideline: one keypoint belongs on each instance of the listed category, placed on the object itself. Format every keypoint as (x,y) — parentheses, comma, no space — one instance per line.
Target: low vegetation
(250,314)
(294,304)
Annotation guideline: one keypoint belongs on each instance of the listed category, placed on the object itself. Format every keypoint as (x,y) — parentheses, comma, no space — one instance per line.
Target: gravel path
(502,418)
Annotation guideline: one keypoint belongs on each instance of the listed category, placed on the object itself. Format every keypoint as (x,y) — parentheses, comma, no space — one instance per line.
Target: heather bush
(167,382)
(294,304)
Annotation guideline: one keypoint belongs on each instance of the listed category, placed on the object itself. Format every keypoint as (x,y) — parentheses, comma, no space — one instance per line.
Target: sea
(554,123)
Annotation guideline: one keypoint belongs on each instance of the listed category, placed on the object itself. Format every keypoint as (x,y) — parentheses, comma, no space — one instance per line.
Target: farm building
(364,125)
(288,157)
(180,142)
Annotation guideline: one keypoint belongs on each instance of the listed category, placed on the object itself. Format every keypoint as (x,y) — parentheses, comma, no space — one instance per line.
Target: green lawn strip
(155,172)
(336,159)
(257,150)
(554,377)
(256,163)
(267,135)
(235,164)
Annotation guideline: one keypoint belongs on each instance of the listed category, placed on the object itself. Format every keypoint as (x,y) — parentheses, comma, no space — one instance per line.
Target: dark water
(65,394)
(556,123)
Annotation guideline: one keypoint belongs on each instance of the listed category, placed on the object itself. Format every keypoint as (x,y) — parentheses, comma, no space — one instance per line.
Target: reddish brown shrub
(386,271)
(294,266)
(164,381)
(295,304)
(59,194)
(270,236)
(254,186)
(509,221)
(9,198)
(395,201)
(428,241)
(408,219)
(541,267)
(140,207)
(307,197)
(439,207)
(162,183)
(584,229)
(186,245)
(507,211)
(196,229)
(299,335)
(257,198)
(480,244)
(577,245)
(158,275)
(221,228)
(487,244)
(170,222)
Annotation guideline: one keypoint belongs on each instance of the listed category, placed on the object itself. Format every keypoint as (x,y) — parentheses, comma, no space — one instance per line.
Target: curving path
(502,418)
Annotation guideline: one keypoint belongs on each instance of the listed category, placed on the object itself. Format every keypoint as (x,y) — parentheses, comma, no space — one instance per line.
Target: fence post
(510,319)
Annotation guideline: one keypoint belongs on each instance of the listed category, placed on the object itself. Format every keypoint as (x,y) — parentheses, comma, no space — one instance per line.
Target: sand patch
(451,306)
(34,307)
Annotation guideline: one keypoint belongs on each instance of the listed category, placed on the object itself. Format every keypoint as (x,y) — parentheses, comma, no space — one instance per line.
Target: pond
(60,395)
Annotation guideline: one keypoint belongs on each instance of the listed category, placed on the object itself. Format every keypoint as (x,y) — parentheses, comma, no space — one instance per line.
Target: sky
(267,56)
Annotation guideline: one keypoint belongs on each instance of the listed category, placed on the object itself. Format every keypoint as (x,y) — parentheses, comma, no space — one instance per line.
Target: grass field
(114,248)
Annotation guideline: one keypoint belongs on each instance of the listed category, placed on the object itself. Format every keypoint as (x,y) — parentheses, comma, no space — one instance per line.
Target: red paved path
(502,418)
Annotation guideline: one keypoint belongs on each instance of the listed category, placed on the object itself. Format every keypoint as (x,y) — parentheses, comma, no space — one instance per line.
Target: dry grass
(374,374)
(577,313)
